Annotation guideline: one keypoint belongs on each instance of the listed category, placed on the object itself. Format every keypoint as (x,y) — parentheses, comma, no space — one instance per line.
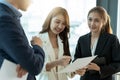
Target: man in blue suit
(14,45)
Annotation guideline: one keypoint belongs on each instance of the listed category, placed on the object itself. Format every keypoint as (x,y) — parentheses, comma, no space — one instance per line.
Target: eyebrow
(58,19)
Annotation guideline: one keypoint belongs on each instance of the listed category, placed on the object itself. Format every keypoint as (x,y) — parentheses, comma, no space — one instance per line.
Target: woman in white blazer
(54,36)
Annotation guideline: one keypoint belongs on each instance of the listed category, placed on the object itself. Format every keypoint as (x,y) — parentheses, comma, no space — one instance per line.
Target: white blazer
(50,56)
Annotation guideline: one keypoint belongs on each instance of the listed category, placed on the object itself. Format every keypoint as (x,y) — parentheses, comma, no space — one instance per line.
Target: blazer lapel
(88,40)
(101,44)
(47,46)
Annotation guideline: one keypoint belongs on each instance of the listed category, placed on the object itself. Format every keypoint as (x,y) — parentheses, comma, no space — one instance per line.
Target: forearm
(106,71)
(51,65)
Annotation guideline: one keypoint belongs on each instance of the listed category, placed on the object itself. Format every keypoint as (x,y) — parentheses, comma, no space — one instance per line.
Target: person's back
(14,45)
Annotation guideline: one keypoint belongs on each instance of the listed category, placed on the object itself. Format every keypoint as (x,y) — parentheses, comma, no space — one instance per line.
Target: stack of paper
(78,64)
(8,71)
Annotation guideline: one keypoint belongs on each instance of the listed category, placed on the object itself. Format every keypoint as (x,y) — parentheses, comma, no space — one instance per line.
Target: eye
(57,21)
(97,20)
(89,19)
(63,24)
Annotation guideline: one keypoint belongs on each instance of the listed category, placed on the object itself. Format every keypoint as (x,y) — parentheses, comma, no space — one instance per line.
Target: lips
(93,27)
(58,30)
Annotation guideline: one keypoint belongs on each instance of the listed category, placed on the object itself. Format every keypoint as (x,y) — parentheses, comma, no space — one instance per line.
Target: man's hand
(20,71)
(36,41)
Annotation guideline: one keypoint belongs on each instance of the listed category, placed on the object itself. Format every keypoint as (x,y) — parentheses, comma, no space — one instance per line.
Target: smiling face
(57,24)
(95,22)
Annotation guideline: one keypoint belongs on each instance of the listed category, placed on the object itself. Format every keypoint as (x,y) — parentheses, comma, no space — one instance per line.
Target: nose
(92,23)
(60,26)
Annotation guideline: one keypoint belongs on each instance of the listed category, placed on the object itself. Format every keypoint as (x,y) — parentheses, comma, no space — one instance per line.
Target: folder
(8,71)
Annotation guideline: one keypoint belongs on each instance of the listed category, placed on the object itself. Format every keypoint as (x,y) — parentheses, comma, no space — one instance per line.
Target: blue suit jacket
(14,45)
(108,51)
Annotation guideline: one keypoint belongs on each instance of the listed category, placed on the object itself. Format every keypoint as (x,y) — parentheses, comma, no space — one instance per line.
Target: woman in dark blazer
(100,41)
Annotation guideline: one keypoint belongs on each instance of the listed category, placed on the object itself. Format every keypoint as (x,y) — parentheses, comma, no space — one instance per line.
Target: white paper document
(77,64)
(8,71)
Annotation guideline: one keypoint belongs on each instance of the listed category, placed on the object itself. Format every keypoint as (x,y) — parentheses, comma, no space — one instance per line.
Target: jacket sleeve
(113,66)
(15,45)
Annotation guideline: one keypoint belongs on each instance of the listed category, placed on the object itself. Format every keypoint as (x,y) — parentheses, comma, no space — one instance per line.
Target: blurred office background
(33,19)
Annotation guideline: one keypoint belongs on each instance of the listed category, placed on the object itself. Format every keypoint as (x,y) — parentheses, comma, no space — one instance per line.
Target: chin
(24,9)
(57,33)
(93,30)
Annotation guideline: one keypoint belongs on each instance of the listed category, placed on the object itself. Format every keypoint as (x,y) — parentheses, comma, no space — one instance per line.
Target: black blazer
(108,51)
(14,45)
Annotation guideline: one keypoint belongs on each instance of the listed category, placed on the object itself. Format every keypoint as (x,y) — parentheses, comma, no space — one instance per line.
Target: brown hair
(104,15)
(65,33)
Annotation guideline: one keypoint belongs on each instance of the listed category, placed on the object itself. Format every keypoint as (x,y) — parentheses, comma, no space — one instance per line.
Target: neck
(95,35)
(53,39)
(52,35)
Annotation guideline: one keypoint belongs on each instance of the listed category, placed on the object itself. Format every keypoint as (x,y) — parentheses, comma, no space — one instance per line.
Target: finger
(21,73)
(66,57)
(18,68)
(25,72)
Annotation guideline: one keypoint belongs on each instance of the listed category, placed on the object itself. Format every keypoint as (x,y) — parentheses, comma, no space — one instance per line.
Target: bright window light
(33,19)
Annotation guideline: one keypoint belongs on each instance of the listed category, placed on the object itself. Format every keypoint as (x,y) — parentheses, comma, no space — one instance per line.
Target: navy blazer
(108,49)
(14,45)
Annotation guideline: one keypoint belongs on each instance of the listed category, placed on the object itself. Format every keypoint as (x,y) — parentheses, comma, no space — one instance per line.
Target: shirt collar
(17,13)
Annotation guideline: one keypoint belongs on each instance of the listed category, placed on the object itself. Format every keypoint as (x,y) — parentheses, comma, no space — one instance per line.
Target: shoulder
(84,37)
(110,36)
(5,12)
(43,36)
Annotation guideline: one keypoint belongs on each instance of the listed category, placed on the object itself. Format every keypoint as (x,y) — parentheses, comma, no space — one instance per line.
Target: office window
(117,76)
(118,25)
(33,19)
